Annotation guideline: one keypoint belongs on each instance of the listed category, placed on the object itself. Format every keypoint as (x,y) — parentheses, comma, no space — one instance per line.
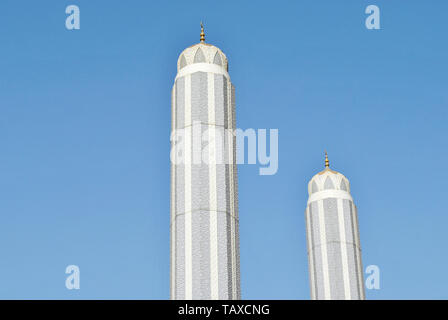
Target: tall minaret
(334,251)
(204,207)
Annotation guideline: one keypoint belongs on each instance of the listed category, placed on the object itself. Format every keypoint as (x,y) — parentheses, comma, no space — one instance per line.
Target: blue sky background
(85,125)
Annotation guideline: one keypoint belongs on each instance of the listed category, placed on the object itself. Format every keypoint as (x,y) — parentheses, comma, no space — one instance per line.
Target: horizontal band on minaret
(341,194)
(203,67)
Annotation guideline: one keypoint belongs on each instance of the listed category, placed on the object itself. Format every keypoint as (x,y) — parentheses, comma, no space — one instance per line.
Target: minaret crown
(202,53)
(328,179)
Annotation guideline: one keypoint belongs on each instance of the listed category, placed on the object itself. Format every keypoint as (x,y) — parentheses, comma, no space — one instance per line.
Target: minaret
(204,206)
(334,251)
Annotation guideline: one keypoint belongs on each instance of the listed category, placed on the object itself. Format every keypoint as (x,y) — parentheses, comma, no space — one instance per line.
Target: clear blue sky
(85,126)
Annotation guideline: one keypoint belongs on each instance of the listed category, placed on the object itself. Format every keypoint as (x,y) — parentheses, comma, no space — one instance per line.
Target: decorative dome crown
(202,53)
(328,180)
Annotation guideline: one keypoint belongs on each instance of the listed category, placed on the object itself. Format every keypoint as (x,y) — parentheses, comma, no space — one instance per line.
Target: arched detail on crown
(328,180)
(328,184)
(314,187)
(199,56)
(202,53)
(217,59)
(182,62)
(343,185)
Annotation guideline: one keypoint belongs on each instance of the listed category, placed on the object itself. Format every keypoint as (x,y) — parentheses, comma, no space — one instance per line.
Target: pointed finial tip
(202,33)
(327,163)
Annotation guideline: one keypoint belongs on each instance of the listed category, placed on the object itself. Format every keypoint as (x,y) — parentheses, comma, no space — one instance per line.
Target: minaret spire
(327,163)
(202,33)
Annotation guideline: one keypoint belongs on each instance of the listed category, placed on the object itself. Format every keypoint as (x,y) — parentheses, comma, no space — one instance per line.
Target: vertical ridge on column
(310,252)
(173,197)
(232,201)
(188,213)
(179,190)
(323,240)
(212,181)
(343,242)
(235,200)
(358,251)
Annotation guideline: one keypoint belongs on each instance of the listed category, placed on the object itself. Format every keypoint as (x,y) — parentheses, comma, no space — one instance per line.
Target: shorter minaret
(334,251)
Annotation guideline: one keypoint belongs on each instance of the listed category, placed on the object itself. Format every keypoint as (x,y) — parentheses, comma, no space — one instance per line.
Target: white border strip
(323,241)
(173,198)
(358,249)
(310,252)
(344,255)
(214,283)
(188,163)
(234,294)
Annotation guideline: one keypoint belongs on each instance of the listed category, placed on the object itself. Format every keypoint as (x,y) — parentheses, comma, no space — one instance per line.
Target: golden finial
(202,33)
(327,163)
